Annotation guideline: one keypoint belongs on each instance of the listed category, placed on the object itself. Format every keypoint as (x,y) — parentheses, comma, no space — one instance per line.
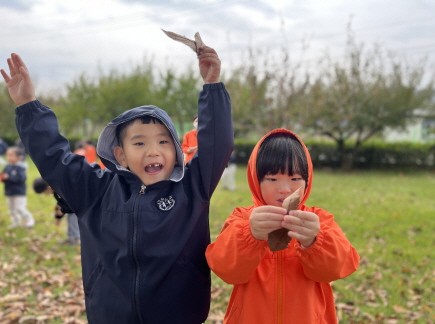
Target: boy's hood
(108,141)
(254,185)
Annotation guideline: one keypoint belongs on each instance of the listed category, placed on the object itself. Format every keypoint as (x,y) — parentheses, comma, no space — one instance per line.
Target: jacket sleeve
(67,173)
(16,177)
(236,254)
(331,252)
(215,137)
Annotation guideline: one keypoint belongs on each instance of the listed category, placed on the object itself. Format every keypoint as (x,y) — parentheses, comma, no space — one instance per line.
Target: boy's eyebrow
(135,137)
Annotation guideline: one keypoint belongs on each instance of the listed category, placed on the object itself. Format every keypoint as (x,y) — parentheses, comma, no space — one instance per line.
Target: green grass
(388,217)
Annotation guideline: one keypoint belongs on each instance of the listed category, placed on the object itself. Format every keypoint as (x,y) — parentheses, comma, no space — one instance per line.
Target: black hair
(16,150)
(195,117)
(79,145)
(121,128)
(39,185)
(281,153)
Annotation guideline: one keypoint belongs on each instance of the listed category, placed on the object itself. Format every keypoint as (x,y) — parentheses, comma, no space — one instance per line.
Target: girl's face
(277,187)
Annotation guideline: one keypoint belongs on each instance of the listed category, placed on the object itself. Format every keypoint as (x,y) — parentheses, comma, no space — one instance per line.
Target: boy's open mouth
(154,167)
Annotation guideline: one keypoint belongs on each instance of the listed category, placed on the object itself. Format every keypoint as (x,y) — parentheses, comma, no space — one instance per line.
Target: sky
(60,40)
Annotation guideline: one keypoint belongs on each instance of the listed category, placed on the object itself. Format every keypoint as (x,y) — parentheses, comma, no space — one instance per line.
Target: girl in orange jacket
(290,286)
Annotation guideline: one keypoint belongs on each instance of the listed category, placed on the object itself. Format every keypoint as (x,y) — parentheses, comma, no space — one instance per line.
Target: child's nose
(153,150)
(285,188)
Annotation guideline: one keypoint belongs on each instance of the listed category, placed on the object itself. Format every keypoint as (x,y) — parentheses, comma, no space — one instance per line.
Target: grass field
(388,216)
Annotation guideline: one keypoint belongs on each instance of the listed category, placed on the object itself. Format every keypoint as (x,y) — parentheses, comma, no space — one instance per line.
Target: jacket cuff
(313,248)
(28,107)
(213,86)
(250,240)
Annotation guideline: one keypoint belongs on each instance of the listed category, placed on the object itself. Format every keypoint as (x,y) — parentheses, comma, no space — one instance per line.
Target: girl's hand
(265,219)
(303,226)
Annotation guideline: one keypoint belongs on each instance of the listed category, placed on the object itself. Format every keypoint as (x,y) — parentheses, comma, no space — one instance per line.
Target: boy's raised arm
(19,84)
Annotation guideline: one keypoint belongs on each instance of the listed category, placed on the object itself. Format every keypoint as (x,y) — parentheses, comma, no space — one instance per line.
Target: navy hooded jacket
(143,247)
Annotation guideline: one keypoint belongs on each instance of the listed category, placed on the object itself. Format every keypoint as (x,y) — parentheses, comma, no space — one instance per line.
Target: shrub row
(376,155)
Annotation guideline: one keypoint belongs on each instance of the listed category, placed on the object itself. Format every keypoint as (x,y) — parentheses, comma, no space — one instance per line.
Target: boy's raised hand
(209,65)
(19,84)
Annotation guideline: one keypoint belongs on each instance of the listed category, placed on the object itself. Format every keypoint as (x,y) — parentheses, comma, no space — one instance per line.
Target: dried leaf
(278,239)
(193,44)
(292,201)
(198,40)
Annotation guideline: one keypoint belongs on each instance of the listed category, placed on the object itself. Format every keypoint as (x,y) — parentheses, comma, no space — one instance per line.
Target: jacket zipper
(135,217)
(280,288)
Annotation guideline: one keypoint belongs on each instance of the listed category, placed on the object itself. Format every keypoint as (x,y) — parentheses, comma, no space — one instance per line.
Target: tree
(266,92)
(353,100)
(7,111)
(91,102)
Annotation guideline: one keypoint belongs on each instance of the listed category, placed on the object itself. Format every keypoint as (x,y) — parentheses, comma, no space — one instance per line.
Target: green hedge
(371,156)
(377,155)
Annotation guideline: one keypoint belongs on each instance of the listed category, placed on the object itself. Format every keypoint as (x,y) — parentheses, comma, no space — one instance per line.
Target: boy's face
(148,151)
(275,188)
(12,157)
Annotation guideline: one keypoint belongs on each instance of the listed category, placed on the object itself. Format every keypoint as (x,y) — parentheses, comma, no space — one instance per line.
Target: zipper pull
(142,189)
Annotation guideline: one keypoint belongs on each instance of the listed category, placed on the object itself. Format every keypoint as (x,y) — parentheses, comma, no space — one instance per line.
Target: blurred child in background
(190,141)
(229,175)
(14,179)
(61,209)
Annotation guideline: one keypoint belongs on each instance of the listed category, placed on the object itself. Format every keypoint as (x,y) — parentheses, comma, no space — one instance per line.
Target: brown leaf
(292,201)
(193,44)
(279,239)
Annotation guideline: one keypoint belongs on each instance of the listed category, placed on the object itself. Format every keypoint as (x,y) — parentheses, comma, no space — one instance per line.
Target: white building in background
(422,131)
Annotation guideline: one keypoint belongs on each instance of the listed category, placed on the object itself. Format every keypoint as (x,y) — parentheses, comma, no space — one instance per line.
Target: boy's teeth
(153,167)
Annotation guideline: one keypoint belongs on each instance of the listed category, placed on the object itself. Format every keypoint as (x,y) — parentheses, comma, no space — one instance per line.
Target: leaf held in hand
(193,44)
(278,239)
(292,201)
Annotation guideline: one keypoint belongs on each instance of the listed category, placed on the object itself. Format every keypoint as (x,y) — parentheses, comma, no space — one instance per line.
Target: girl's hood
(254,185)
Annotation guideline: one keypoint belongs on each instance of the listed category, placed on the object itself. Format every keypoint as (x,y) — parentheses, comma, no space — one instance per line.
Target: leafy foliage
(7,111)
(91,102)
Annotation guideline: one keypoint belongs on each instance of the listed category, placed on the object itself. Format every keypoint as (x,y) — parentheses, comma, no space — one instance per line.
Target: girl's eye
(164,142)
(139,144)
(270,179)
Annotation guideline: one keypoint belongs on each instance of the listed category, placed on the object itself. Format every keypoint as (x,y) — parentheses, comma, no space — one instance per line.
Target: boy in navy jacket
(14,178)
(143,220)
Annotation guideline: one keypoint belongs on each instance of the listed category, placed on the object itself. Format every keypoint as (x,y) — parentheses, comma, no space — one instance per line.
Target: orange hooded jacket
(190,140)
(290,286)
